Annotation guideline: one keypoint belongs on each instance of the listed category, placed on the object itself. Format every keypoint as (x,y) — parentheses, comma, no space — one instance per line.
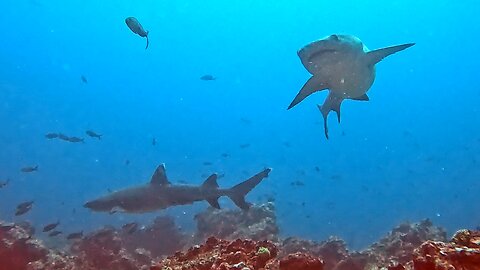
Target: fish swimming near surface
(161,194)
(343,65)
(93,134)
(50,226)
(208,77)
(62,136)
(75,235)
(136,28)
(29,169)
(23,208)
(84,79)
(51,136)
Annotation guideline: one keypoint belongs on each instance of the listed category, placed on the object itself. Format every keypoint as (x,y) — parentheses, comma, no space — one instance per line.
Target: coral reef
(20,251)
(417,246)
(258,223)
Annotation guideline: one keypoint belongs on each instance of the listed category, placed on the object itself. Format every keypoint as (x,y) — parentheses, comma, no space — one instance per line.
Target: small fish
(93,134)
(75,140)
(225,155)
(136,28)
(84,79)
(51,136)
(297,183)
(127,162)
(50,226)
(208,77)
(7,227)
(245,145)
(207,163)
(317,169)
(29,169)
(154,141)
(4,183)
(74,236)
(54,233)
(287,144)
(130,227)
(336,177)
(23,208)
(63,137)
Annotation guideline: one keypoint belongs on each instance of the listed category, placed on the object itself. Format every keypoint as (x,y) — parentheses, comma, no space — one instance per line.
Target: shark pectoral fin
(214,202)
(211,181)
(159,177)
(363,97)
(147,41)
(332,103)
(376,56)
(313,85)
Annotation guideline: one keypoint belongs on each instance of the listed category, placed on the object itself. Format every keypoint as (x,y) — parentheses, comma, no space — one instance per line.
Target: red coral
(218,254)
(301,261)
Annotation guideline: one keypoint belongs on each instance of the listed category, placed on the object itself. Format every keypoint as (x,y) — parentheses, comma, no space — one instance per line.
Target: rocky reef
(236,240)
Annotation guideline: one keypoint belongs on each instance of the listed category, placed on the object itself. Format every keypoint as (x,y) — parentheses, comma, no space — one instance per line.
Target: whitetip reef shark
(161,194)
(343,65)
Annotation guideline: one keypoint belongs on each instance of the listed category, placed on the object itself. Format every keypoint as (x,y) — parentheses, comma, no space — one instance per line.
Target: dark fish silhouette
(245,145)
(127,162)
(84,79)
(161,194)
(54,233)
(343,65)
(208,77)
(93,134)
(154,141)
(136,28)
(75,140)
(50,226)
(23,208)
(4,183)
(207,163)
(62,136)
(29,169)
(130,228)
(51,136)
(75,236)
(297,183)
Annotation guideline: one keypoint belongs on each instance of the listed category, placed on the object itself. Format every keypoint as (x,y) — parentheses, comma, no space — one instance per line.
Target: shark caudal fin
(313,85)
(238,192)
(376,56)
(147,40)
(211,183)
(332,103)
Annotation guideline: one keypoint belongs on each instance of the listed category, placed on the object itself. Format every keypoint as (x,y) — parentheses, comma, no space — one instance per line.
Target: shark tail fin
(237,193)
(313,85)
(376,56)
(332,103)
(147,40)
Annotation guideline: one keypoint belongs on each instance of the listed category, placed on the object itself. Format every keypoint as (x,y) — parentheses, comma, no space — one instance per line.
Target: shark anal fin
(211,181)
(159,177)
(332,103)
(313,85)
(363,97)
(376,56)
(214,202)
(238,192)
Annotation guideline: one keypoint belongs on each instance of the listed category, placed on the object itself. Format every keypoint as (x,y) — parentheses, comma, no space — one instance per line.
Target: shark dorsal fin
(159,177)
(211,181)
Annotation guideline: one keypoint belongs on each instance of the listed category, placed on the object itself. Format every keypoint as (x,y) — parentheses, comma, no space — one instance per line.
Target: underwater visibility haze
(95,95)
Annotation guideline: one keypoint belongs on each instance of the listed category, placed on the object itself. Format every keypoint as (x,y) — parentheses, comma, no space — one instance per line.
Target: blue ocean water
(410,153)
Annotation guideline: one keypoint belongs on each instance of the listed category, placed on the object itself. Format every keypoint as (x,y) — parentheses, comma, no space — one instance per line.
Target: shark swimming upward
(161,194)
(344,66)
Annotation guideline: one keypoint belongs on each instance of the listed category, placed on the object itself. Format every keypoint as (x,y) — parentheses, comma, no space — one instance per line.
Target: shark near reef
(161,194)
(343,65)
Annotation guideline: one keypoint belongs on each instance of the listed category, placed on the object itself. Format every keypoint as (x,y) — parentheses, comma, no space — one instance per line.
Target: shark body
(343,65)
(161,194)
